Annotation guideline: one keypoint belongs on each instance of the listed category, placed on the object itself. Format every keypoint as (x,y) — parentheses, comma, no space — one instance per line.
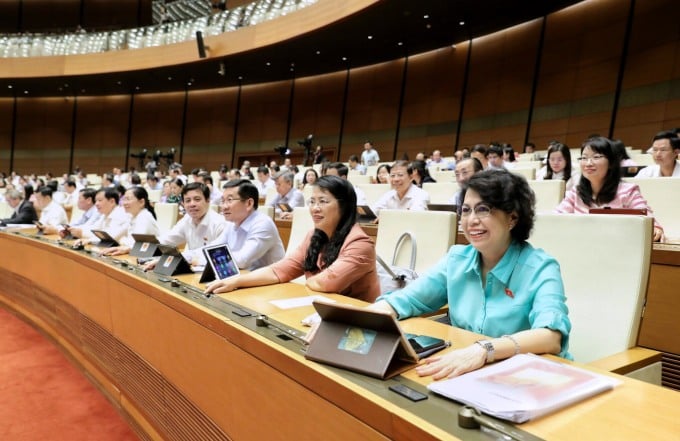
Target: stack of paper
(524,387)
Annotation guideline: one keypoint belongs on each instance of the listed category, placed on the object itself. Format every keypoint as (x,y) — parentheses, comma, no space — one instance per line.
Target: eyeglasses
(480,210)
(321,203)
(230,201)
(594,158)
(661,150)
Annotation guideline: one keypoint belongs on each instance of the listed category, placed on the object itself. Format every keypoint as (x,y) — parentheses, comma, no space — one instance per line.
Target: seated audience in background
(69,196)
(382,175)
(420,174)
(437,161)
(24,212)
(404,195)
(152,183)
(498,285)
(465,168)
(286,193)
(665,149)
(309,177)
(494,157)
(354,165)
(336,256)
(620,151)
(175,195)
(142,220)
(86,203)
(51,213)
(601,186)
(341,170)
(252,236)
(114,220)
(530,149)
(420,156)
(198,227)
(480,151)
(558,165)
(165,192)
(215,193)
(263,181)
(509,159)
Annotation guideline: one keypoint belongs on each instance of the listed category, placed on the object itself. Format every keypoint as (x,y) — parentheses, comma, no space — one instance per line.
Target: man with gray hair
(24,212)
(286,195)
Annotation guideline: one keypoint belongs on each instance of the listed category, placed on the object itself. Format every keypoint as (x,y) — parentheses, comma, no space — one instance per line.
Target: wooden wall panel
(6,112)
(499,89)
(372,109)
(432,97)
(101,133)
(157,122)
(263,117)
(317,109)
(652,75)
(209,137)
(43,135)
(578,73)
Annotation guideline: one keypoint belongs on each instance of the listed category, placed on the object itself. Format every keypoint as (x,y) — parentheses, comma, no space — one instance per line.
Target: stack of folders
(524,387)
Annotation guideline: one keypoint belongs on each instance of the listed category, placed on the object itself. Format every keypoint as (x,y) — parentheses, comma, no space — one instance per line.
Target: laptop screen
(220,260)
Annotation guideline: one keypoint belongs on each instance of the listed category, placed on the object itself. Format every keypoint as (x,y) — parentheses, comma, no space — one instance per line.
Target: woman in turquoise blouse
(498,285)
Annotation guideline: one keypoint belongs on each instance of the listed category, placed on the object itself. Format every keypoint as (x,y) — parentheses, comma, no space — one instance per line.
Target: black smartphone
(407,392)
(424,345)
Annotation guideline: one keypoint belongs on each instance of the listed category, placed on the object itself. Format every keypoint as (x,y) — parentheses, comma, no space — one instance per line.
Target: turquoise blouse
(523,291)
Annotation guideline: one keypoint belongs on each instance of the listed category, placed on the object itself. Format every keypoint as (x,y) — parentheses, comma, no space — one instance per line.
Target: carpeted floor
(44,397)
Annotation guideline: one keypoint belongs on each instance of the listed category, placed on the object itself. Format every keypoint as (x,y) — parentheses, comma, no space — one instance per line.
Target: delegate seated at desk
(601,186)
(251,235)
(114,220)
(199,226)
(142,220)
(24,212)
(337,256)
(499,285)
(286,193)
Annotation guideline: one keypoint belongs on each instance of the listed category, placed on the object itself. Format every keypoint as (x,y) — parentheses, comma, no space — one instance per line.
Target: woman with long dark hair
(601,186)
(558,165)
(336,256)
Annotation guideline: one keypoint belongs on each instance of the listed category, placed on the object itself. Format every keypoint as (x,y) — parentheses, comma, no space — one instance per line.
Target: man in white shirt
(354,165)
(369,156)
(263,182)
(86,201)
(51,213)
(405,195)
(199,226)
(252,236)
(286,194)
(113,220)
(438,161)
(69,195)
(665,148)
(341,170)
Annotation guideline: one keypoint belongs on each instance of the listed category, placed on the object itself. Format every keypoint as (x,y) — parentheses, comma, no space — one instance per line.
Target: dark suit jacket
(24,214)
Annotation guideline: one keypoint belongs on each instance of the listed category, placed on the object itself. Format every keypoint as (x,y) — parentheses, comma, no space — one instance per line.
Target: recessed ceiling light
(462,23)
(9,86)
(268,63)
(318,52)
(426,16)
(344,58)
(400,44)
(370,37)
(240,77)
(25,92)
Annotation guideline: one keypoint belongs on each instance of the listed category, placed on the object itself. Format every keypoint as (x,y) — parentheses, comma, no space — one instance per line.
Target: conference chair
(5,210)
(642,158)
(166,215)
(76,213)
(373,192)
(357,178)
(443,175)
(154,195)
(549,193)
(302,224)
(662,196)
(440,192)
(529,173)
(269,211)
(434,233)
(605,263)
(271,194)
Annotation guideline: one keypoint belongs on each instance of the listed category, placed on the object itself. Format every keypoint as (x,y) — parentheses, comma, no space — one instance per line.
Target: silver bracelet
(512,339)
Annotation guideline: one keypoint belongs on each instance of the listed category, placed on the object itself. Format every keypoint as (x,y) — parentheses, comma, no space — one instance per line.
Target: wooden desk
(177,368)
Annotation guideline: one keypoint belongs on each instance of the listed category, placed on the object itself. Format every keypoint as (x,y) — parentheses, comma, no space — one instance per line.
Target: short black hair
(508,192)
(246,190)
(196,186)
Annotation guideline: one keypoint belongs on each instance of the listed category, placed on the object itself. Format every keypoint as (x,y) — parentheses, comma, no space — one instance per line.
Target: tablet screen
(219,258)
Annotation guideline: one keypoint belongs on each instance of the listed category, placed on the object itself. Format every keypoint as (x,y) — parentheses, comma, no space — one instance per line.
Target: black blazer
(24,214)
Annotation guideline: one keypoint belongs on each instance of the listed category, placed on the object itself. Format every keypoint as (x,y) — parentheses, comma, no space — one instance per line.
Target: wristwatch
(490,351)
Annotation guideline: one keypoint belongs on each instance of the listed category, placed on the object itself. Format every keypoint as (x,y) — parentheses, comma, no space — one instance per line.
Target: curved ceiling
(396,28)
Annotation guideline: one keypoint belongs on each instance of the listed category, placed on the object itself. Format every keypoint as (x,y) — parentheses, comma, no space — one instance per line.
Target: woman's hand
(454,363)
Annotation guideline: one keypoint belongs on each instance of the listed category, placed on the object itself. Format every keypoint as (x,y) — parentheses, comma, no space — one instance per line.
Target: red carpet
(44,397)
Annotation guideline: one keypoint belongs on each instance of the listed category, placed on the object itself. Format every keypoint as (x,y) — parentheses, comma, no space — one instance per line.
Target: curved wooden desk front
(179,370)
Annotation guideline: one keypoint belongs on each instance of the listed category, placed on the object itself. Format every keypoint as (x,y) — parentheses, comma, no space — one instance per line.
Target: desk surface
(219,374)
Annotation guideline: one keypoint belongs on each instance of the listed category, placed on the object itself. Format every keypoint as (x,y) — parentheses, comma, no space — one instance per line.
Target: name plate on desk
(361,340)
(171,262)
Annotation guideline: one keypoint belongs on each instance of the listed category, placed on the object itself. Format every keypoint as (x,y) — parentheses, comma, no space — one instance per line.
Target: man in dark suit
(24,212)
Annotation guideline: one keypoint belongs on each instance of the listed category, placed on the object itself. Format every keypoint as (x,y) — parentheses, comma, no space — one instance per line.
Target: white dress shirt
(53,214)
(263,188)
(195,236)
(115,224)
(88,218)
(415,199)
(654,171)
(143,223)
(253,244)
